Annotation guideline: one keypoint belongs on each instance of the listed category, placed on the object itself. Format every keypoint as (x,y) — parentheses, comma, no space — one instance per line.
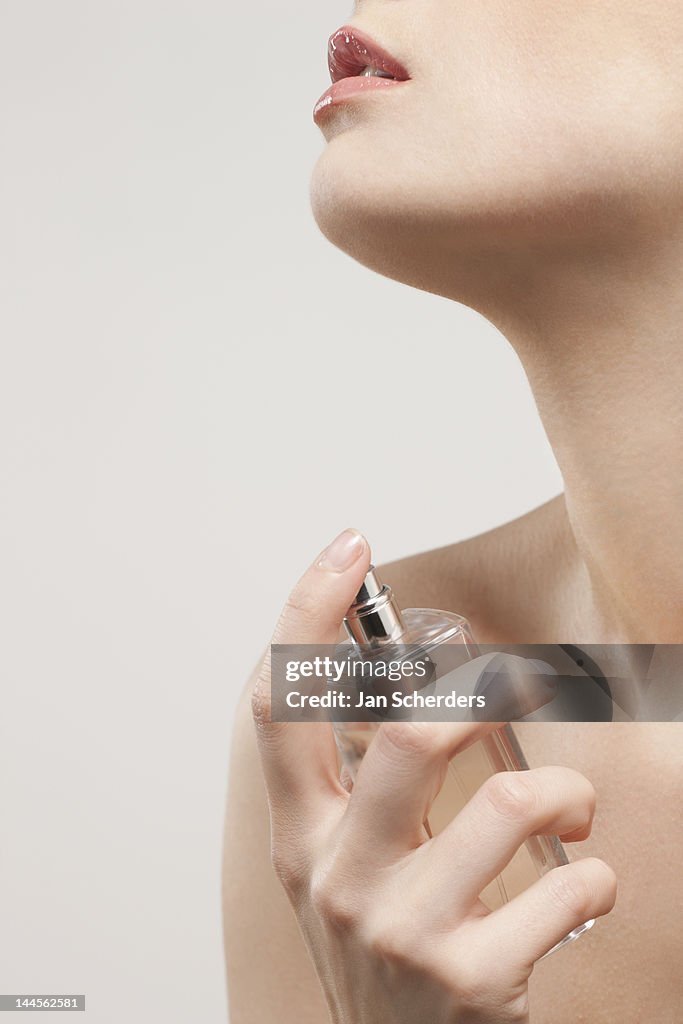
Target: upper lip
(349,51)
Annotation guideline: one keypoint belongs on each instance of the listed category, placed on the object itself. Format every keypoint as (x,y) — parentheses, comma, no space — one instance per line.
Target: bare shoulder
(269,973)
(507,582)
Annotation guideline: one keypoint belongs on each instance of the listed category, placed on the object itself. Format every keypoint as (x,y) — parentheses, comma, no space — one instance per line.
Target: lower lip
(346,88)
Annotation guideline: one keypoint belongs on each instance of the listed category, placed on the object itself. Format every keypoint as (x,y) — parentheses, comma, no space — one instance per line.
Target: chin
(387,217)
(454,229)
(364,206)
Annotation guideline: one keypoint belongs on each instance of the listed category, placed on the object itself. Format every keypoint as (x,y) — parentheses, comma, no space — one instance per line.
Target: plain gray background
(185,360)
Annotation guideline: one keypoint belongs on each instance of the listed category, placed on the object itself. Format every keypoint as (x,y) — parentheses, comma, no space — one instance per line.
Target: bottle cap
(374,617)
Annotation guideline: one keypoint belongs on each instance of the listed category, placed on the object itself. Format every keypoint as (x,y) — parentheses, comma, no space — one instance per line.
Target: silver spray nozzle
(374,617)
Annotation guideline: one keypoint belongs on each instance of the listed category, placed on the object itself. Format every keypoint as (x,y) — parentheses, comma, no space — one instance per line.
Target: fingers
(299,759)
(505,811)
(405,765)
(528,927)
(401,775)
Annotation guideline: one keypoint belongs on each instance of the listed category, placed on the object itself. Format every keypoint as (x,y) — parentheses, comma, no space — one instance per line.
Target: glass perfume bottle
(377,628)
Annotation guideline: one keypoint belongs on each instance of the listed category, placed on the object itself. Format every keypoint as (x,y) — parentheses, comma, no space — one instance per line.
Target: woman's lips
(349,52)
(347,87)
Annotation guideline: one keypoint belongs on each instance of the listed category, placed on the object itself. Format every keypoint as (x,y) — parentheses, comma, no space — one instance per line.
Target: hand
(392,919)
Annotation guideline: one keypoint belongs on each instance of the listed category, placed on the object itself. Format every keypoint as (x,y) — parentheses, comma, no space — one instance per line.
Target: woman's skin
(530,169)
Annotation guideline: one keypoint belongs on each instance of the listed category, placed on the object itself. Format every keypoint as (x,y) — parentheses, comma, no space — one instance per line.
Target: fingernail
(343,551)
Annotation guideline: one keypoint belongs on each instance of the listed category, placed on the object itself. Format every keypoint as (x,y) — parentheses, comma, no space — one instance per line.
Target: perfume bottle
(378,629)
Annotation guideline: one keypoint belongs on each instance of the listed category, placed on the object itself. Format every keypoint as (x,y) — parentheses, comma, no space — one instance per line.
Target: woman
(527,162)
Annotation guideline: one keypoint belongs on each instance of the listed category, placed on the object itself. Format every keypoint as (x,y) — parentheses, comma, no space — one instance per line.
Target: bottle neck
(374,618)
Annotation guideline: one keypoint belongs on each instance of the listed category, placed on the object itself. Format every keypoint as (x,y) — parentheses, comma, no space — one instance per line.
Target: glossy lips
(349,52)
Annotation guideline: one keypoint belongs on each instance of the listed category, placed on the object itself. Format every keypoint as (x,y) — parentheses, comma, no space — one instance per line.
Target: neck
(602,345)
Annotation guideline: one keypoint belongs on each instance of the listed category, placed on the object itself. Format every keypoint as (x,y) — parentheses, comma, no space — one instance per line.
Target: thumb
(315,609)
(299,759)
